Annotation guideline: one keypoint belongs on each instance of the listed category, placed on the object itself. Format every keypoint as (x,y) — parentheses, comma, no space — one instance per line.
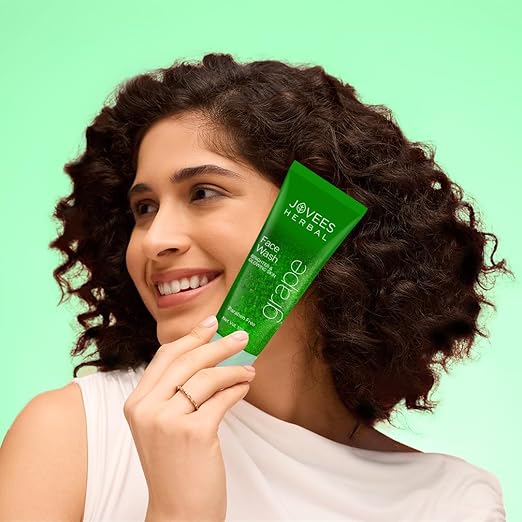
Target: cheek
(230,240)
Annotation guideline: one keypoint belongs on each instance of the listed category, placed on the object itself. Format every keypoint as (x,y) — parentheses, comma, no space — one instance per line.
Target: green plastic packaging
(308,221)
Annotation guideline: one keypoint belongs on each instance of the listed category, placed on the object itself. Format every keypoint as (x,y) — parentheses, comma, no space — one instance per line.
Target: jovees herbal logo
(302,211)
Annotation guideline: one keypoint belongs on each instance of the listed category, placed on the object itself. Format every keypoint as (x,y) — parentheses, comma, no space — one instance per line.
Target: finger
(191,362)
(206,383)
(212,411)
(169,352)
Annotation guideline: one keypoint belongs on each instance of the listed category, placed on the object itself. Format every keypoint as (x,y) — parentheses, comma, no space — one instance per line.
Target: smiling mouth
(181,297)
(210,278)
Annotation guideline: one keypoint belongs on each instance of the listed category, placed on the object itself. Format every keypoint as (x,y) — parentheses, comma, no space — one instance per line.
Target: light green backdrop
(451,73)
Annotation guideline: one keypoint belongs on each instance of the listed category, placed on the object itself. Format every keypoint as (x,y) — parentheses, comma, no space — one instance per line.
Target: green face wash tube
(308,221)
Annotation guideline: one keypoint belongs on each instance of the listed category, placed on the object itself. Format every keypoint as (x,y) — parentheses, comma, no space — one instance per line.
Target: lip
(166,301)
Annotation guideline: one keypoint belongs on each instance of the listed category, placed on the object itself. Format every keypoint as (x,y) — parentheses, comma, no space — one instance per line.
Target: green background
(450,72)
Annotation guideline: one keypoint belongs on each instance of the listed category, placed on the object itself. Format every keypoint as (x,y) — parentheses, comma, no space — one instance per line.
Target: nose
(167,233)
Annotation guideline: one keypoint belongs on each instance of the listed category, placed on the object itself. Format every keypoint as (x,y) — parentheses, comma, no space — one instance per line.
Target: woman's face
(210,221)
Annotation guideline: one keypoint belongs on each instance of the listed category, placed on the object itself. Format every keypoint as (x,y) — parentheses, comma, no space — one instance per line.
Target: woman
(295,439)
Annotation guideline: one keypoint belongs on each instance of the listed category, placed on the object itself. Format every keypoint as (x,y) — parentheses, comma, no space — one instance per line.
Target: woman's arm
(43,460)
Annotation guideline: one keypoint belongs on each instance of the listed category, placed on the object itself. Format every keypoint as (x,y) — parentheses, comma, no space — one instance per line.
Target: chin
(170,329)
(167,335)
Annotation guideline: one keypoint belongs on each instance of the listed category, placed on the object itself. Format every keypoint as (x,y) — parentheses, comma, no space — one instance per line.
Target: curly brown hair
(398,297)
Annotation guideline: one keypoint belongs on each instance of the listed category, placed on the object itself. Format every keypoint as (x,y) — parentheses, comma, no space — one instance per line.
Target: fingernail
(209,321)
(240,335)
(250,368)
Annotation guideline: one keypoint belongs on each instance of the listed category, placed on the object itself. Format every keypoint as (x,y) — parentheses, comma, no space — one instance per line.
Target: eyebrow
(185,174)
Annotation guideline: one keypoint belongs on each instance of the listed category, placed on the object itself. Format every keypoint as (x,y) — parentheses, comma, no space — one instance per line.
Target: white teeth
(184,283)
(173,287)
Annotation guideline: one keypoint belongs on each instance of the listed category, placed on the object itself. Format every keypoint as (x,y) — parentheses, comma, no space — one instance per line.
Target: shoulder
(45,449)
(58,412)
(473,492)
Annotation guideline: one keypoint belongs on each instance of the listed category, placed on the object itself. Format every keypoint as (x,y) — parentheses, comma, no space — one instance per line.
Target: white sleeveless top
(276,470)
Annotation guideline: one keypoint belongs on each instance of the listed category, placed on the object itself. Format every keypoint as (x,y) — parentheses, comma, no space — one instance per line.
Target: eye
(201,188)
(136,207)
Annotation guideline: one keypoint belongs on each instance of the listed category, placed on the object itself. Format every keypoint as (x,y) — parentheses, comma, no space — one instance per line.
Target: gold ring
(180,388)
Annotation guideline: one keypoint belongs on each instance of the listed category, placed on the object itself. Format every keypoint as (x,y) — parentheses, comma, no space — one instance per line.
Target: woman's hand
(178,446)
